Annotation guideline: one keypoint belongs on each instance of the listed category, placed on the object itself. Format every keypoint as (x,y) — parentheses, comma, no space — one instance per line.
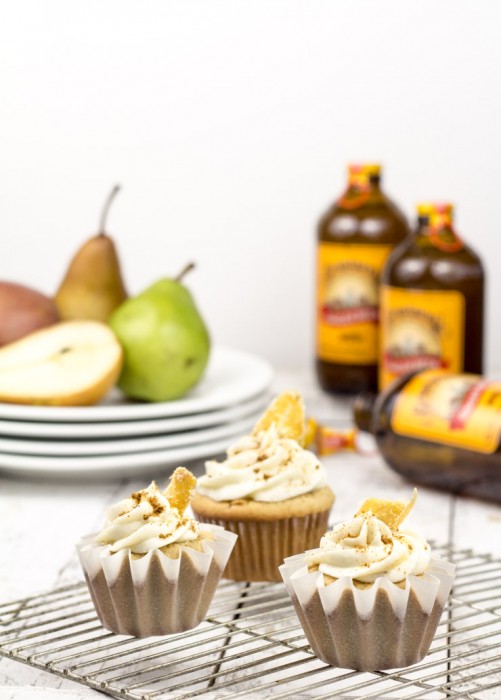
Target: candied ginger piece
(310,432)
(180,489)
(286,412)
(393,513)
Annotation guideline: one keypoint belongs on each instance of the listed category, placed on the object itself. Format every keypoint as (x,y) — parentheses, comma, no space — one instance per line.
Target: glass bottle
(439,429)
(432,301)
(355,237)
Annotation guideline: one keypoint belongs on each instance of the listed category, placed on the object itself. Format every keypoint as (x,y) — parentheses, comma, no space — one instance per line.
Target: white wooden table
(40,521)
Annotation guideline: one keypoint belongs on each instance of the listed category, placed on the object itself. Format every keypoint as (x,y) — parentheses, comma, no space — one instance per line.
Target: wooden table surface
(40,521)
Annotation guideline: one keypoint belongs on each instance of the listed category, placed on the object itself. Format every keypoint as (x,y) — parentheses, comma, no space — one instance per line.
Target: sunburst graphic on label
(452,398)
(413,342)
(351,295)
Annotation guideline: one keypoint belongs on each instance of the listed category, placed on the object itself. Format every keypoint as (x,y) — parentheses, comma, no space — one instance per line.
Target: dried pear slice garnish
(180,489)
(393,513)
(286,413)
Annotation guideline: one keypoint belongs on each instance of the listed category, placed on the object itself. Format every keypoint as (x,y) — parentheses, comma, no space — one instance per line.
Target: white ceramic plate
(108,465)
(110,429)
(84,448)
(232,377)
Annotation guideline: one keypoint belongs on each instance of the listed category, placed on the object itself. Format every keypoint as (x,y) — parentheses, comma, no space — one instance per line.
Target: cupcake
(371,595)
(269,491)
(152,570)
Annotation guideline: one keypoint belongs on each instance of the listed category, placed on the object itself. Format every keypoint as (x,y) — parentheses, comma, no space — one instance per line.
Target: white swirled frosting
(365,548)
(145,521)
(262,467)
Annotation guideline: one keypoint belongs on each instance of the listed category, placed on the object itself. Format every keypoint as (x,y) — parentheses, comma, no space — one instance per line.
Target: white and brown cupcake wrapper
(263,545)
(368,629)
(154,594)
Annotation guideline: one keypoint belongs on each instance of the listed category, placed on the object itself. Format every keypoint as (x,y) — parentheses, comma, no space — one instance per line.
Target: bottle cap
(359,176)
(433,210)
(441,231)
(366,169)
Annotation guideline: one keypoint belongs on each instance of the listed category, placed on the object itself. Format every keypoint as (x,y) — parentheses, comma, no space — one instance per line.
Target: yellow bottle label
(462,410)
(348,301)
(419,329)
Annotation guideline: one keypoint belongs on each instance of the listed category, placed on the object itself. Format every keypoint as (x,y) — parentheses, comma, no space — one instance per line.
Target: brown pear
(22,311)
(93,287)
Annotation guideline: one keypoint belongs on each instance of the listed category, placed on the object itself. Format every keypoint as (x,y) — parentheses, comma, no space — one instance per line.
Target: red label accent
(346,317)
(469,403)
(412,363)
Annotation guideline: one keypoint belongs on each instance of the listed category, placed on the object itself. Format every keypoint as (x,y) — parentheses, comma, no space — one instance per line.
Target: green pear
(165,341)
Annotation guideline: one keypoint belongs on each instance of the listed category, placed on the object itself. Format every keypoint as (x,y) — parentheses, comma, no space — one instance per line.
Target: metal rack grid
(252,646)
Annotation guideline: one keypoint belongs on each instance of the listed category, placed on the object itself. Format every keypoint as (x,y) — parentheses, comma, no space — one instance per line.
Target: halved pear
(73,363)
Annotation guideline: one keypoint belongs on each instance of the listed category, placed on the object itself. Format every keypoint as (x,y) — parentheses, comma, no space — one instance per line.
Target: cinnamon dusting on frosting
(365,548)
(263,467)
(147,520)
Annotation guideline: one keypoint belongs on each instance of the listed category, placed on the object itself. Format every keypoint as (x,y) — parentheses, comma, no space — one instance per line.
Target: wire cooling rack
(252,646)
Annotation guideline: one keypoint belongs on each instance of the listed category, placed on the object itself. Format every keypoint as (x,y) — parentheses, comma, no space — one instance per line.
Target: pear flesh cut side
(74,363)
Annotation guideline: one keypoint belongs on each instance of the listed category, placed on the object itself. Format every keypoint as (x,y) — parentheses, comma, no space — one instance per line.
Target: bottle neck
(363,407)
(362,182)
(361,189)
(423,225)
(440,233)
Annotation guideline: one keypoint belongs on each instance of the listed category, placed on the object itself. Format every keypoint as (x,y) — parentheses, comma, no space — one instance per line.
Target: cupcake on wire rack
(152,570)
(269,491)
(371,595)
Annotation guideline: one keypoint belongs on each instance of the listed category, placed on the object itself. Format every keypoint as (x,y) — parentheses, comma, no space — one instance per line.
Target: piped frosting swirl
(365,548)
(146,521)
(263,467)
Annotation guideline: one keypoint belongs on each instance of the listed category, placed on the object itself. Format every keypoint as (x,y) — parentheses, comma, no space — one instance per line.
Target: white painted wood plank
(477,526)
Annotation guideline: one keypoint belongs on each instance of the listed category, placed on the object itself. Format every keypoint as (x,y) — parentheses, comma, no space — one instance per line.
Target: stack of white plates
(122,436)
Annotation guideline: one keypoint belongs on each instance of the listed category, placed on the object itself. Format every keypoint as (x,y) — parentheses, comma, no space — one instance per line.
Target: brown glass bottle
(355,237)
(442,430)
(432,301)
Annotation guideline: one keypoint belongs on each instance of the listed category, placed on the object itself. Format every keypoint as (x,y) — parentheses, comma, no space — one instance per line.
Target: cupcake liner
(154,594)
(263,545)
(369,629)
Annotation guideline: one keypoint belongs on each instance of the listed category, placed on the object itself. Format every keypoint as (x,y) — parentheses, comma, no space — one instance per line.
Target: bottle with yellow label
(440,429)
(432,301)
(355,237)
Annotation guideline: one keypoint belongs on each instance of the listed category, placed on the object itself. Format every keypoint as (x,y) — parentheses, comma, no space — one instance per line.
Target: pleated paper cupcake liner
(263,545)
(369,629)
(154,594)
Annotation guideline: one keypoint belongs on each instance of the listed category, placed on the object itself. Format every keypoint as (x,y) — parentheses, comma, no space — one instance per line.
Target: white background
(229,124)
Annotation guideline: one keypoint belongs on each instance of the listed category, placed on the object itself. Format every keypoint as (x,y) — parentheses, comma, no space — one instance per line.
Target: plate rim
(153,460)
(229,431)
(103,430)
(125,412)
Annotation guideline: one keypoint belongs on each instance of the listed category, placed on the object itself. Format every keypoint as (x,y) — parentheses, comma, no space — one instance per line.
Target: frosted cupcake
(152,570)
(371,596)
(269,491)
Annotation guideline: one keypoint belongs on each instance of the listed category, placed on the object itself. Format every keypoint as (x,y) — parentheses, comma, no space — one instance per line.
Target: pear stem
(187,268)
(106,208)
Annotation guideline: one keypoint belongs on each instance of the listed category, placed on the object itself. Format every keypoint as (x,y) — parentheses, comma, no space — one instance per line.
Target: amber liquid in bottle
(441,430)
(432,301)
(355,237)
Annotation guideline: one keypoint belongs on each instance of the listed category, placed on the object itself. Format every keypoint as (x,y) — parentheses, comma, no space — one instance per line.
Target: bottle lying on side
(439,429)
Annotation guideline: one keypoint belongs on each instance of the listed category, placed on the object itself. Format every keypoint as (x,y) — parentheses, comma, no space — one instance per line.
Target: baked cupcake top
(372,545)
(151,519)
